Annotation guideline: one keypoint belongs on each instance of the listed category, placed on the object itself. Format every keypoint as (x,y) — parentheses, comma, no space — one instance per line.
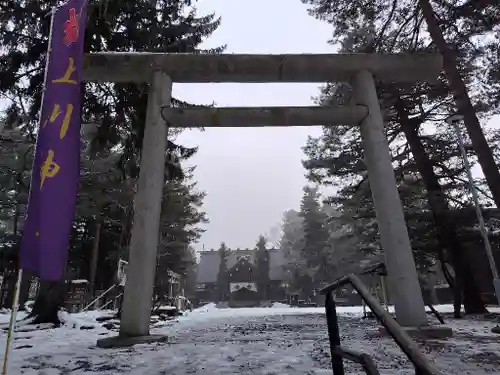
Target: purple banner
(55,174)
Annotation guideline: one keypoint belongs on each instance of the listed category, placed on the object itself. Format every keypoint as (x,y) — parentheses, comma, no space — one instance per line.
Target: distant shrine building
(241,283)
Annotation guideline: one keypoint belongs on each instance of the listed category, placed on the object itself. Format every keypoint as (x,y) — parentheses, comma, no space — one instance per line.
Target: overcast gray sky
(253,175)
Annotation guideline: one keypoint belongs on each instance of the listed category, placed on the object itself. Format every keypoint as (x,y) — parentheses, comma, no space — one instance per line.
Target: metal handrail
(111,300)
(401,338)
(98,298)
(363,359)
(336,351)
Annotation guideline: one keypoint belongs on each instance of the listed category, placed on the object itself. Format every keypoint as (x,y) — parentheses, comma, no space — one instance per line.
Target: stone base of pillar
(424,332)
(124,341)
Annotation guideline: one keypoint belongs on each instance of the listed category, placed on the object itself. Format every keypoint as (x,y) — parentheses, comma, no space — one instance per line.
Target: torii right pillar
(402,273)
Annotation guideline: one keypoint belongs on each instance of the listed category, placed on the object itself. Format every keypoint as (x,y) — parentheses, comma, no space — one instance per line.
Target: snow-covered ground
(267,341)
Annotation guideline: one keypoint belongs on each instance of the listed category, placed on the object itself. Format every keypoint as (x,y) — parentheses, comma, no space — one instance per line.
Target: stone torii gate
(361,70)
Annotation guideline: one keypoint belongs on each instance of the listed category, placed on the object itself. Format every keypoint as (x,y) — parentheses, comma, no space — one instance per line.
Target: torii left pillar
(138,295)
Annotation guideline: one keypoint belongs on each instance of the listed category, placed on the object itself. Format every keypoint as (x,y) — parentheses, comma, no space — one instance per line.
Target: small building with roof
(241,277)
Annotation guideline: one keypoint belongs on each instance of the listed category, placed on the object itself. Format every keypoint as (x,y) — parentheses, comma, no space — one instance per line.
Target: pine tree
(345,246)
(180,224)
(291,244)
(396,32)
(189,283)
(222,275)
(315,245)
(262,268)
(292,235)
(463,101)
(119,110)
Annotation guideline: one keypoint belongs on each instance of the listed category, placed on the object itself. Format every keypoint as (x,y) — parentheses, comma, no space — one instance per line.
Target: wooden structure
(77,295)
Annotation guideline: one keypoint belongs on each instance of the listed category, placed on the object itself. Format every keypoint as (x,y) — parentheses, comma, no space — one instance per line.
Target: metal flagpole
(17,290)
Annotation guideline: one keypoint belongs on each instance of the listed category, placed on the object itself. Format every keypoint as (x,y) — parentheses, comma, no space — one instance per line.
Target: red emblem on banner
(71,28)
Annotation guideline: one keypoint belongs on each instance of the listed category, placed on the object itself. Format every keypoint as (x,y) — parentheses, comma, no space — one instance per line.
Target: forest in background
(112,132)
(327,233)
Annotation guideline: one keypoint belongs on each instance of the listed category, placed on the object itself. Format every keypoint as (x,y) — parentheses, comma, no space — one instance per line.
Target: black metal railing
(402,339)
(336,351)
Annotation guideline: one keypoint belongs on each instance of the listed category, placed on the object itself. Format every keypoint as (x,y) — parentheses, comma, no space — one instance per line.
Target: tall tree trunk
(49,301)
(463,102)
(94,257)
(445,224)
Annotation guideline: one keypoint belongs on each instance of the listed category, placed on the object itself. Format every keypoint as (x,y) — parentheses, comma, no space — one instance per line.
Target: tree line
(321,236)
(113,117)
(427,163)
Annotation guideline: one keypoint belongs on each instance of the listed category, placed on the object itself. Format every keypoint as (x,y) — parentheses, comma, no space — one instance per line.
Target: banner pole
(12,322)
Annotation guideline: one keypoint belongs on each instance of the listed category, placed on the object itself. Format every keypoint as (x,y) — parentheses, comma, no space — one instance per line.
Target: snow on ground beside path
(210,311)
(278,305)
(272,341)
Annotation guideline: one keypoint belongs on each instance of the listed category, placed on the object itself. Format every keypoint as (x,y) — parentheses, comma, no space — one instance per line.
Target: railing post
(333,333)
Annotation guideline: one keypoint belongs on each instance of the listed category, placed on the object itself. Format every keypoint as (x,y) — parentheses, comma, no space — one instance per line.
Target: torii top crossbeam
(204,68)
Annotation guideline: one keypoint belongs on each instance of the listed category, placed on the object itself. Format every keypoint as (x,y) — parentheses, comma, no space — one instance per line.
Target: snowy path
(245,341)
